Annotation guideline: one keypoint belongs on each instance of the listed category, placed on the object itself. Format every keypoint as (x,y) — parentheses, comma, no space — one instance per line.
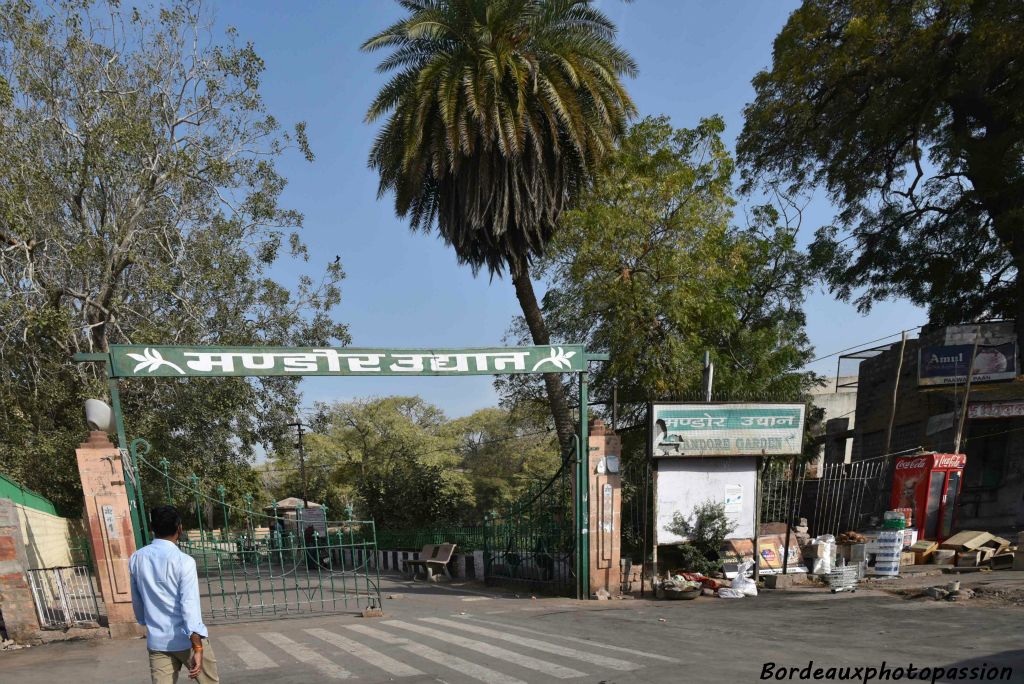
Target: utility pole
(709,375)
(302,460)
(895,395)
(967,394)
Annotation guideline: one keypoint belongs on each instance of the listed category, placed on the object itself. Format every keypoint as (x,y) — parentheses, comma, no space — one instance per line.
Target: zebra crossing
(455,648)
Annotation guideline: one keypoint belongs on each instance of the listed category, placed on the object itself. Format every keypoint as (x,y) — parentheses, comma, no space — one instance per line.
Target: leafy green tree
(498,114)
(649,268)
(502,453)
(384,456)
(387,456)
(911,116)
(139,203)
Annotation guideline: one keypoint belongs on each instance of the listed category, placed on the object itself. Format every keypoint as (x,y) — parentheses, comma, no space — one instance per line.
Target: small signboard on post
(695,430)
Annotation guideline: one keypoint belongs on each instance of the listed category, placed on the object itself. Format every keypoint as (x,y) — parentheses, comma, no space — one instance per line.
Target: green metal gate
(259,565)
(532,543)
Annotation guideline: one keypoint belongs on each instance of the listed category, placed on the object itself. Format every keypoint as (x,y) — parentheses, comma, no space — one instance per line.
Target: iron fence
(532,543)
(258,565)
(467,537)
(845,496)
(782,486)
(65,597)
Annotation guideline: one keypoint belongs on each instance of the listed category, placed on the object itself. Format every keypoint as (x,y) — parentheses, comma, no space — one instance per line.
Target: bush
(705,529)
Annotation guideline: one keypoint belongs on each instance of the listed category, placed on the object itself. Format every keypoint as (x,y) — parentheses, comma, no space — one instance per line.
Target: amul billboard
(948,364)
(693,430)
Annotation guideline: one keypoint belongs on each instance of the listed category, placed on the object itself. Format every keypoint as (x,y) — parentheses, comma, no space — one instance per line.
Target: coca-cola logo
(911,465)
(949,461)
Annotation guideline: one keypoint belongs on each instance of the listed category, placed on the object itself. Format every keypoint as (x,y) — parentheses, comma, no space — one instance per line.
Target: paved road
(459,635)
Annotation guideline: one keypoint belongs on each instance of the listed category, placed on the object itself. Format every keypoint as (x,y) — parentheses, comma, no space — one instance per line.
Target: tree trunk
(564,424)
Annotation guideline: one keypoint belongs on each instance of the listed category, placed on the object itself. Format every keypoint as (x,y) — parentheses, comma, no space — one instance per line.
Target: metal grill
(532,543)
(65,597)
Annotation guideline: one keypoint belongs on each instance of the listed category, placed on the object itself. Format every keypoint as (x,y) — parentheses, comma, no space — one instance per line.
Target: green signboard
(183,361)
(726,429)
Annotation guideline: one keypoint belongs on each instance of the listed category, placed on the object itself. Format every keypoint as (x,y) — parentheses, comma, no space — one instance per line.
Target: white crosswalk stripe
(575,640)
(375,658)
(550,669)
(307,655)
(252,658)
(460,665)
(564,651)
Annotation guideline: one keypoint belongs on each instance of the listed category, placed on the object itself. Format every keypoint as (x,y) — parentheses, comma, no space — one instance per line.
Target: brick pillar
(109,523)
(16,603)
(605,510)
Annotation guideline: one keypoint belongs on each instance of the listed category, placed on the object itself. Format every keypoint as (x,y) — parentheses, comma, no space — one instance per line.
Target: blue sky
(696,58)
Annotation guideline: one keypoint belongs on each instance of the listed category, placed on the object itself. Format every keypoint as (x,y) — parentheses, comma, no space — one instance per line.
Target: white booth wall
(682,484)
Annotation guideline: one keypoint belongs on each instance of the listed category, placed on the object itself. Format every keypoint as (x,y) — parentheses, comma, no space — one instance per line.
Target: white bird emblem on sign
(150,359)
(559,359)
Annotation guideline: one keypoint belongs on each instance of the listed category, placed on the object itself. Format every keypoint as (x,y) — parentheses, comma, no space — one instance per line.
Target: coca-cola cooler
(930,485)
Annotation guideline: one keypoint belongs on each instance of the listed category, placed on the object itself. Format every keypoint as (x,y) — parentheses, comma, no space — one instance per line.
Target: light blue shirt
(165,596)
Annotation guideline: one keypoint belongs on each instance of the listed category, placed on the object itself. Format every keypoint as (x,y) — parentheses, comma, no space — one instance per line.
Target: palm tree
(497,115)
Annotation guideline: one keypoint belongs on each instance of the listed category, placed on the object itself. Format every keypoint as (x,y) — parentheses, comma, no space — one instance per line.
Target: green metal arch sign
(128,361)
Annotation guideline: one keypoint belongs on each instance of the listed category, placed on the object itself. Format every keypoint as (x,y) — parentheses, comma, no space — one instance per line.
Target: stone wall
(16,603)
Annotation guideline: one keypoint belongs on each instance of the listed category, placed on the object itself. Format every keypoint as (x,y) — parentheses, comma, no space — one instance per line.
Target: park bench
(432,557)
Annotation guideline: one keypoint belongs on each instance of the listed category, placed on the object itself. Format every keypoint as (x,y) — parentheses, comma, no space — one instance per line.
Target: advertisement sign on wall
(695,430)
(947,365)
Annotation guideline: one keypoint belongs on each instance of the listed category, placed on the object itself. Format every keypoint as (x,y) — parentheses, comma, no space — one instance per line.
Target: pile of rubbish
(690,585)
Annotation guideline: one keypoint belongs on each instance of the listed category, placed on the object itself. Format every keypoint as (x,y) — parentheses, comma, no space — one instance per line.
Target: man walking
(165,596)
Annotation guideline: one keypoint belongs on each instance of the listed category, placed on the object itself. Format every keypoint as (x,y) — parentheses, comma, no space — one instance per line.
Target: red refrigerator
(930,485)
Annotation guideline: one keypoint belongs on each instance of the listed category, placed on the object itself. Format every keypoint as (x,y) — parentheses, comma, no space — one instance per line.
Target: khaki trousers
(165,665)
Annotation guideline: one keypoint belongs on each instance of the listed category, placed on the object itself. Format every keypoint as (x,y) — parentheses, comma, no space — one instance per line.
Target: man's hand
(195,666)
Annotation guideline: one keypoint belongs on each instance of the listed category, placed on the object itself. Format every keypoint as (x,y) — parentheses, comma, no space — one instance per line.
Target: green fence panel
(9,489)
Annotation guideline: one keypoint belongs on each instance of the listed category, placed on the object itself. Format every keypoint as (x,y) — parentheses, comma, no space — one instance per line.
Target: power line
(862,344)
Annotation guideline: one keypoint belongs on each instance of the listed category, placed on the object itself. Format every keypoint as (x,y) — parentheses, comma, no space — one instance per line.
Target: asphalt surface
(437,633)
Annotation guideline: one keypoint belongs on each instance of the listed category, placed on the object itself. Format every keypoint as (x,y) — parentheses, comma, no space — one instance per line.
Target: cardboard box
(908,558)
(972,559)
(812,551)
(968,540)
(853,553)
(944,557)
(968,559)
(997,543)
(771,549)
(909,537)
(1002,561)
(923,551)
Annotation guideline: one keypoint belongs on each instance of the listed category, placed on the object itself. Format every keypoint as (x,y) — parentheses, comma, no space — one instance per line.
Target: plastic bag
(823,565)
(727,592)
(742,583)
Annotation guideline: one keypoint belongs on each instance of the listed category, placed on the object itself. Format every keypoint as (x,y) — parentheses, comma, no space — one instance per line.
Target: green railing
(9,489)
(468,538)
(257,565)
(532,543)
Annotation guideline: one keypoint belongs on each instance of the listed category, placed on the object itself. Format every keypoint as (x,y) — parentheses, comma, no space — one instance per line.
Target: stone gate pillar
(109,523)
(605,509)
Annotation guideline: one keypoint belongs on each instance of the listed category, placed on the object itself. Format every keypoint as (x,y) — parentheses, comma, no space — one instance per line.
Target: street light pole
(302,461)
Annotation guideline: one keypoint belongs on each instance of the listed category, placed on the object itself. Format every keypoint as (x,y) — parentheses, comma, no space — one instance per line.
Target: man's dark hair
(164,521)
